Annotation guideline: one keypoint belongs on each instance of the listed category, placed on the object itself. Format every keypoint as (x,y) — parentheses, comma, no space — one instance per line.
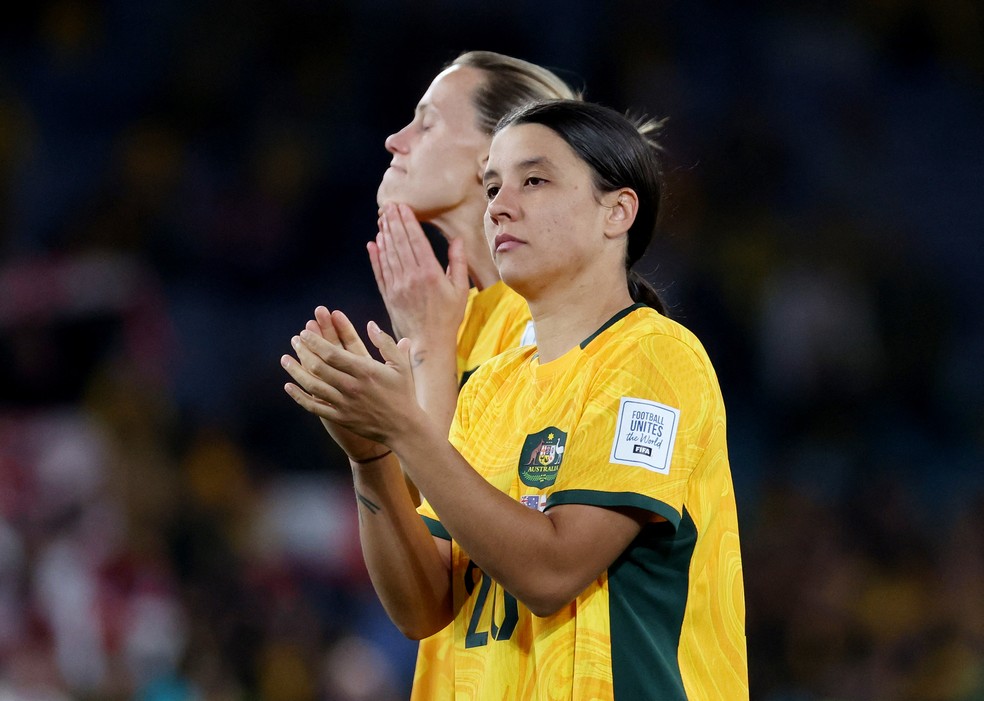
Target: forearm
(517,546)
(407,571)
(435,376)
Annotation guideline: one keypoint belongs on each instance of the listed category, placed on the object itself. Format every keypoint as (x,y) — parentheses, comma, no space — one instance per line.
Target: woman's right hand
(423,300)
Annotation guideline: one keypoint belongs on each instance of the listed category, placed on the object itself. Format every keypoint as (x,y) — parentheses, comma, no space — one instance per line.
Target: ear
(622,206)
(483,162)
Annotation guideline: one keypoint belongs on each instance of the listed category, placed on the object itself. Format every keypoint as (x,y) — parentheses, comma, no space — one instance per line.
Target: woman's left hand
(370,398)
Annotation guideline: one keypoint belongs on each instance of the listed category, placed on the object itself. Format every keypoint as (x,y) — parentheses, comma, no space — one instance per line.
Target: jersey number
(502,631)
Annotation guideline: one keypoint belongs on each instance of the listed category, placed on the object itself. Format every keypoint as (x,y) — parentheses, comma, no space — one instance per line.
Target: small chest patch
(542,455)
(644,434)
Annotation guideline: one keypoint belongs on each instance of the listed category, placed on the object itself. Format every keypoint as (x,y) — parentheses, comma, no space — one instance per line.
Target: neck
(460,223)
(564,318)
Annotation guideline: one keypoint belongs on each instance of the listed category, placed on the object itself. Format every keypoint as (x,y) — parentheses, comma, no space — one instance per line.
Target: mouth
(506,242)
(397,168)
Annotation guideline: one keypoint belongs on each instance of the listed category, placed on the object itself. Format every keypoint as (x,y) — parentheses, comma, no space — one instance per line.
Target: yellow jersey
(634,417)
(496,319)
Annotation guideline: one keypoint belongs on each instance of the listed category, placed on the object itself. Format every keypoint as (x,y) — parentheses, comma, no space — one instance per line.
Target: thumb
(457,264)
(388,348)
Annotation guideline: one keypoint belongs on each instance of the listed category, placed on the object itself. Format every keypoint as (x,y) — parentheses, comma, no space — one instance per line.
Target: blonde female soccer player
(436,176)
(579,527)
(459,318)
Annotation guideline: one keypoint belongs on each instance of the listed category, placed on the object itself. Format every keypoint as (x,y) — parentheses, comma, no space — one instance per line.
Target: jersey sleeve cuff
(436,528)
(612,499)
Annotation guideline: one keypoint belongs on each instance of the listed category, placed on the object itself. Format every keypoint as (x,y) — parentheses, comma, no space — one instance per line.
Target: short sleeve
(640,433)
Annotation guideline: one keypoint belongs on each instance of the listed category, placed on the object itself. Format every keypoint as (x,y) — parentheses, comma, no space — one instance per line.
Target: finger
(347,334)
(331,363)
(401,236)
(324,325)
(311,404)
(388,347)
(377,267)
(310,384)
(457,264)
(387,260)
(420,247)
(400,257)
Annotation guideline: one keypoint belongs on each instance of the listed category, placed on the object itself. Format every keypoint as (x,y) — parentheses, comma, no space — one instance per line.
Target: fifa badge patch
(542,455)
(644,434)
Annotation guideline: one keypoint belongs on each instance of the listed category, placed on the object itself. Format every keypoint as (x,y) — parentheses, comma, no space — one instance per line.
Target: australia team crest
(543,452)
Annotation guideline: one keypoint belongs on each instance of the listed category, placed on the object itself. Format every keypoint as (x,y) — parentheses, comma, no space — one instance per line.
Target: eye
(491,191)
(534,181)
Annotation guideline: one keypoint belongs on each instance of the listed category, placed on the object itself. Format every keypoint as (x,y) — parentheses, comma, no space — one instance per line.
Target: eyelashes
(532,181)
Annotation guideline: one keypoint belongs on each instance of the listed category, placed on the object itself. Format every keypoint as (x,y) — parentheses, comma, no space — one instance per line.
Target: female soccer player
(436,176)
(579,527)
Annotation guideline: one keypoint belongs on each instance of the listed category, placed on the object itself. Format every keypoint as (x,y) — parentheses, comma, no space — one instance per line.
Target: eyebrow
(522,165)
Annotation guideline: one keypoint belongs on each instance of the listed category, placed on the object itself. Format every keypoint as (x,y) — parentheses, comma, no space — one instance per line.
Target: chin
(384,195)
(388,190)
(512,278)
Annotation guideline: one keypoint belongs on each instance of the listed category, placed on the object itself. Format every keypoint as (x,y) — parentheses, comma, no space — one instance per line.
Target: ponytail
(642,291)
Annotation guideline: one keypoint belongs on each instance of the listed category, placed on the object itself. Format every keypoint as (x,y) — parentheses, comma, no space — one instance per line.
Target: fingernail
(373,326)
(295,341)
(285,360)
(307,335)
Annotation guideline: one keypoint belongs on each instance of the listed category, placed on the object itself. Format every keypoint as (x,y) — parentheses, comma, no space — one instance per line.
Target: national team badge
(541,457)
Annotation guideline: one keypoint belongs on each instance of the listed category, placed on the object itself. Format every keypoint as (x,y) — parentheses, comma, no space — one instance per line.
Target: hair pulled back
(621,153)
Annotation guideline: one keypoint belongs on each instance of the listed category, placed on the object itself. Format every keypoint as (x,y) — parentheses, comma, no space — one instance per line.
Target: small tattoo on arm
(372,506)
(418,359)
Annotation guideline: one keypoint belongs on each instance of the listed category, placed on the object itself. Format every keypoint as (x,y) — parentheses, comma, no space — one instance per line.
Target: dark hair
(509,84)
(620,153)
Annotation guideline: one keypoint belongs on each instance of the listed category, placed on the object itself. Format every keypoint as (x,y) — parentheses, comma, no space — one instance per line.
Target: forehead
(522,143)
(453,88)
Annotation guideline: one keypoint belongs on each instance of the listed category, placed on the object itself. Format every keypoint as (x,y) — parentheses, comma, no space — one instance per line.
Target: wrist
(374,458)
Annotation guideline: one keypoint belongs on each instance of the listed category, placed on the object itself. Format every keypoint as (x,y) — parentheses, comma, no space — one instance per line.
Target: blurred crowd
(181,183)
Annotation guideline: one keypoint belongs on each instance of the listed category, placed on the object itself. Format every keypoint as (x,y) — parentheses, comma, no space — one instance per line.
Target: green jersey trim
(465,375)
(618,315)
(648,586)
(436,528)
(613,499)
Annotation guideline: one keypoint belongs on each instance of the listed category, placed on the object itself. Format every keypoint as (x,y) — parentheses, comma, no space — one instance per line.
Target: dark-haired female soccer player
(579,527)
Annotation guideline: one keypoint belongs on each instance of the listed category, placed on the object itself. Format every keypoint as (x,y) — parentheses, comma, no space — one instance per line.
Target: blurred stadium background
(182,182)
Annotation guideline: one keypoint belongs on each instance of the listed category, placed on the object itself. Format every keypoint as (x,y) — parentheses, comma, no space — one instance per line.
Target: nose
(397,143)
(502,206)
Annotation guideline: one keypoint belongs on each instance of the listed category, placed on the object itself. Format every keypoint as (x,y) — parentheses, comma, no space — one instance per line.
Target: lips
(506,242)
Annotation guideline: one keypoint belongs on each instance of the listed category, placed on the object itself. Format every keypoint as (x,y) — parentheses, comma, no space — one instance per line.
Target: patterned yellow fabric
(496,319)
(632,417)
